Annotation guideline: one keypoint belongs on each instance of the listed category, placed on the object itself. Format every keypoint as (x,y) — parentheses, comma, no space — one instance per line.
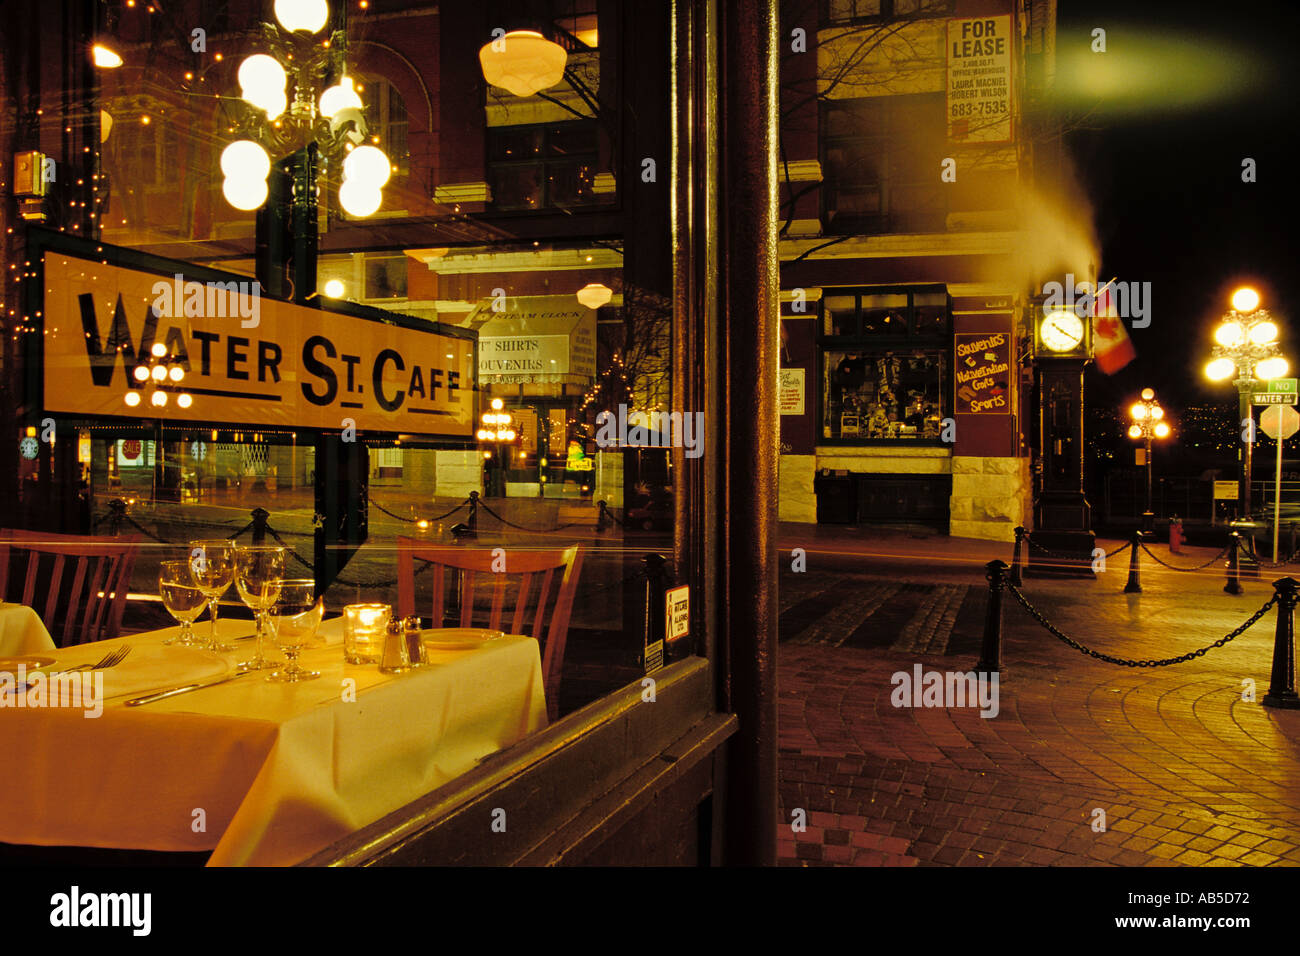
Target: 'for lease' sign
(979,80)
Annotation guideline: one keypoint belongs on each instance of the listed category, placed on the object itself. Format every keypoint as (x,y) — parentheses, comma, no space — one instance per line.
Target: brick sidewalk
(1186,772)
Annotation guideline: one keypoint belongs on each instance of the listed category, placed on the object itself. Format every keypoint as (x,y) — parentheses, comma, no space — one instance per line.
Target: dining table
(254,771)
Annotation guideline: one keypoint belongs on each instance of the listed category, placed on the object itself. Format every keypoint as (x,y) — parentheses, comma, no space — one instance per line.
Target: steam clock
(1062,518)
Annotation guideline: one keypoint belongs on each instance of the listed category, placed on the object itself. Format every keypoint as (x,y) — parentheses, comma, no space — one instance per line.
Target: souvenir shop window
(889,395)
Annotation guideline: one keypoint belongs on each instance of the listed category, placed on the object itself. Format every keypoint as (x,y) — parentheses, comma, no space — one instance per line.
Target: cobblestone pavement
(1181,769)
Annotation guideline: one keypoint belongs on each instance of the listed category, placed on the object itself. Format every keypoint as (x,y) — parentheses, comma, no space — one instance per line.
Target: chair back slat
(543,596)
(521,602)
(466,598)
(550,632)
(89,607)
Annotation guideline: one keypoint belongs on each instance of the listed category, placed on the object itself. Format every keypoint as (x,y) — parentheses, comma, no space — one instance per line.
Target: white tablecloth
(261,773)
(22,632)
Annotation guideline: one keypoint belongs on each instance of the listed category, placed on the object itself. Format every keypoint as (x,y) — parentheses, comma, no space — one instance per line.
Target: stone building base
(990,497)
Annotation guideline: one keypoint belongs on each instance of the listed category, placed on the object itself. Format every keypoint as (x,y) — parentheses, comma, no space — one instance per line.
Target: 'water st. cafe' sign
(278,365)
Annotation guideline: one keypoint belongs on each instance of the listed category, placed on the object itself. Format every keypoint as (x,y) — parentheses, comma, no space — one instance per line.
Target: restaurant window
(885,365)
(849,11)
(386,118)
(881,157)
(549,166)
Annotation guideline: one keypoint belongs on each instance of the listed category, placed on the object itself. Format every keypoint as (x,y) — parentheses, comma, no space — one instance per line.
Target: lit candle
(364,626)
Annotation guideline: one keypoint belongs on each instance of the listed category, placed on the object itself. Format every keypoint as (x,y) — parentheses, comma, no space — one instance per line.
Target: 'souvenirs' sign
(295,367)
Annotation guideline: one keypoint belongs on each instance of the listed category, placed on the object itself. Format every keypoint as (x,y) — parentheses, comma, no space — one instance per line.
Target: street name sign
(1276,391)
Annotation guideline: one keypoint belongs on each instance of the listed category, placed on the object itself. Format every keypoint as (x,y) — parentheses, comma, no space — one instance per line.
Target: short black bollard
(991,650)
(1134,585)
(116,515)
(259,525)
(1281,687)
(602,515)
(472,521)
(1234,572)
(1015,558)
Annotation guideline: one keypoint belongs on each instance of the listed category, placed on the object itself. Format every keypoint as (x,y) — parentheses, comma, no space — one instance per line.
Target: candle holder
(364,628)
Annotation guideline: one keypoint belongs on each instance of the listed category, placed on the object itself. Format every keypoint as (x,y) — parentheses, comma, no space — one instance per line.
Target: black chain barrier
(144,531)
(1124,662)
(1173,567)
(448,514)
(1071,557)
(1126,544)
(239,533)
(519,527)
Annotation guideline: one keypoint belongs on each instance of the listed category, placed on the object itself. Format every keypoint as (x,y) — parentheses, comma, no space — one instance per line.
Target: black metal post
(116,515)
(1234,571)
(991,650)
(1281,687)
(472,521)
(1134,584)
(259,525)
(1015,558)
(748,48)
(655,585)
(602,515)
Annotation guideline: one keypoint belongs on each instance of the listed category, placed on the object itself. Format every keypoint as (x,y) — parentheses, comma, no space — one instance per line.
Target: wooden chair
(475,566)
(90,606)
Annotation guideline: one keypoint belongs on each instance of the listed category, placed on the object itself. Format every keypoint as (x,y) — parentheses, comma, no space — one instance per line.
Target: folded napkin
(147,668)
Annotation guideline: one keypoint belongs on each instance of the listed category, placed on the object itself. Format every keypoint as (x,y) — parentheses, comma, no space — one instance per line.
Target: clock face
(1061,331)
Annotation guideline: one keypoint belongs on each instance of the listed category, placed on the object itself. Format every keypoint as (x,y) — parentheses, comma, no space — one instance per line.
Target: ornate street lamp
(1246,345)
(289,111)
(523,62)
(1148,423)
(498,431)
(157,370)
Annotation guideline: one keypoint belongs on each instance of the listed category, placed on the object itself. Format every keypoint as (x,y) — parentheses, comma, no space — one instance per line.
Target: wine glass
(212,566)
(294,619)
(259,571)
(181,598)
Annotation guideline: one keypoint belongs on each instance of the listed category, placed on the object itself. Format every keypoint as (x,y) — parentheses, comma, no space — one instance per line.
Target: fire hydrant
(1176,538)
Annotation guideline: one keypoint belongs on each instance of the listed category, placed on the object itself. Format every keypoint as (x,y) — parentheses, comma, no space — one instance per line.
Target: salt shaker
(415,653)
(395,659)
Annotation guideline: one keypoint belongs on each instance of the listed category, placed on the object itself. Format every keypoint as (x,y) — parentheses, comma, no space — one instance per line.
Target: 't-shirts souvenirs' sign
(983,373)
(979,80)
(277,364)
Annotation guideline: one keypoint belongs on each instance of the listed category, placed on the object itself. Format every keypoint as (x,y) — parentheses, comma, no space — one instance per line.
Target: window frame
(931,10)
(877,344)
(546,159)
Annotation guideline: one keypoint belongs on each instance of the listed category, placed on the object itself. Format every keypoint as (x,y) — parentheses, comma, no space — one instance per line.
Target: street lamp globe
(158,350)
(1157,412)
(1135,431)
(261,81)
(367,165)
(523,62)
(159,373)
(245,194)
(593,295)
(176,373)
(334,288)
(359,198)
(1138,411)
(340,96)
(245,160)
(1220,369)
(1148,394)
(1274,367)
(1162,430)
(309,15)
(1230,335)
(1245,299)
(141,373)
(133,399)
(184,400)
(1263,333)
(159,399)
(105,58)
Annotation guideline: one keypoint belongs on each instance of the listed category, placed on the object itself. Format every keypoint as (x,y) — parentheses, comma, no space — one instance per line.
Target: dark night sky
(1161,164)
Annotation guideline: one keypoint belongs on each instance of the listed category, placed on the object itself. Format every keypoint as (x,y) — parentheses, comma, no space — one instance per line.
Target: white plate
(32,661)
(458,638)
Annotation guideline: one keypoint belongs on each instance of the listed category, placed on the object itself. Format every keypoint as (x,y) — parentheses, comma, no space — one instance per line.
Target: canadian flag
(1112,348)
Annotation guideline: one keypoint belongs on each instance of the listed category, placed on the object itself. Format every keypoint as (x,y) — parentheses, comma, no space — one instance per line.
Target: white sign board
(790,391)
(677,612)
(979,80)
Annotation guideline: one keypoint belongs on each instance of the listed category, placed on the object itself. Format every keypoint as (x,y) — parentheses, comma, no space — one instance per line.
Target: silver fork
(111,659)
